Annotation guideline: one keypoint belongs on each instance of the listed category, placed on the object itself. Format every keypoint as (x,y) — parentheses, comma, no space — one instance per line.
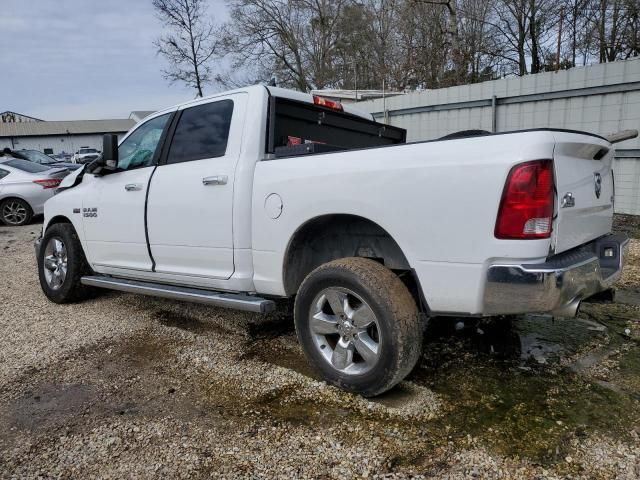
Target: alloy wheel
(55,263)
(14,212)
(345,330)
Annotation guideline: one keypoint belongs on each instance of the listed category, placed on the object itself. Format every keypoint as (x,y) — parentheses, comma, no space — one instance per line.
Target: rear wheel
(61,264)
(15,212)
(358,325)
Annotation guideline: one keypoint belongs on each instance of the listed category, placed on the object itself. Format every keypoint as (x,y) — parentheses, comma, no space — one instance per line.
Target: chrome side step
(236,301)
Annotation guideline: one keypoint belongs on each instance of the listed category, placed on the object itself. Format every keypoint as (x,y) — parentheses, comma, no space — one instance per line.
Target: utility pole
(355,79)
(559,39)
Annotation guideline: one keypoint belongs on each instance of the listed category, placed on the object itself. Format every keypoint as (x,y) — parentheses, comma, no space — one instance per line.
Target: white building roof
(71,127)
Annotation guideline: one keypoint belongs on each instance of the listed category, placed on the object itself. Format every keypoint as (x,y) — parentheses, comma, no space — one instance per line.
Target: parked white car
(24,187)
(85,155)
(261,193)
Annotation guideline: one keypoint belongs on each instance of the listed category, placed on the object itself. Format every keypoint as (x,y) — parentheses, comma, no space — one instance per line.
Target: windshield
(26,165)
(36,156)
(88,150)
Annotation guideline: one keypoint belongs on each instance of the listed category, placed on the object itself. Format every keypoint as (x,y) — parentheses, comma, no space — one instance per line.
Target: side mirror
(108,161)
(110,151)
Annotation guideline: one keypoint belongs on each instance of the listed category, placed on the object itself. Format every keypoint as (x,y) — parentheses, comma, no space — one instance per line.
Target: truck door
(189,211)
(113,211)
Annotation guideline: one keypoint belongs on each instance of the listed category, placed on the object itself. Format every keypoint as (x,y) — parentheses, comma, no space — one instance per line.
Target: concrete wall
(601,99)
(66,143)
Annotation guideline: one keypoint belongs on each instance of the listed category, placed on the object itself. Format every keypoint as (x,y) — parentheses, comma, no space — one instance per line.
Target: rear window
(26,166)
(35,156)
(88,150)
(298,128)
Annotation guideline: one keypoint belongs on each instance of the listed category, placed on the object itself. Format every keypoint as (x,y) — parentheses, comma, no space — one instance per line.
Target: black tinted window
(26,166)
(202,132)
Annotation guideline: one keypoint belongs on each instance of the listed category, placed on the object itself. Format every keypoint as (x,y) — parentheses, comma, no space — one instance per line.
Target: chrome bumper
(558,285)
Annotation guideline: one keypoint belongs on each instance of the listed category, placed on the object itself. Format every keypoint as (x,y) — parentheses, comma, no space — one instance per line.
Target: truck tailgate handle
(215,180)
(132,187)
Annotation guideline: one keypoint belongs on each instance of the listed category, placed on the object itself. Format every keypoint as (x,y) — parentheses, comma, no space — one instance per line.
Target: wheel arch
(59,219)
(328,237)
(13,196)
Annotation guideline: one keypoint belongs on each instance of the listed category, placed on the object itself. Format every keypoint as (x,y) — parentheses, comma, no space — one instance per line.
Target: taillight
(325,102)
(526,208)
(48,182)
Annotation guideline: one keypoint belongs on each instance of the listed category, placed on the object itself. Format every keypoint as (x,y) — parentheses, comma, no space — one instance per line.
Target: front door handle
(215,180)
(132,187)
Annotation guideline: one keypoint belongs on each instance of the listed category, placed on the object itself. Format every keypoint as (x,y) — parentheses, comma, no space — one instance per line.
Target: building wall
(66,143)
(601,99)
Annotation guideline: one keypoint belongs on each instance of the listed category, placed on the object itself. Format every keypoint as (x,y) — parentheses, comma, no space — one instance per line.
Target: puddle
(539,339)
(504,382)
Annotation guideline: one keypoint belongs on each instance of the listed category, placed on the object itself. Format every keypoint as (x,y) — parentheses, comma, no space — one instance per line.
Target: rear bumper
(558,285)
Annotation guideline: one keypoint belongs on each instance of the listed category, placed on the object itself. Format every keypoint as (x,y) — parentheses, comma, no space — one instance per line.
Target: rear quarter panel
(438,200)
(28,191)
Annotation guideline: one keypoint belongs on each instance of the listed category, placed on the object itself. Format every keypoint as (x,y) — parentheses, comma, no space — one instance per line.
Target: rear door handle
(215,180)
(132,187)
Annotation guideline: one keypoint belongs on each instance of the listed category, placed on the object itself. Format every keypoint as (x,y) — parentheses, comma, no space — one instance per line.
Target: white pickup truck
(262,193)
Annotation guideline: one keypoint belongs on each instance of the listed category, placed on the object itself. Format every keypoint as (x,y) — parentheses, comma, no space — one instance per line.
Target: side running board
(236,301)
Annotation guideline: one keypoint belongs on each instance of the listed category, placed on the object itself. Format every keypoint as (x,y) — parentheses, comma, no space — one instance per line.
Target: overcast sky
(83,59)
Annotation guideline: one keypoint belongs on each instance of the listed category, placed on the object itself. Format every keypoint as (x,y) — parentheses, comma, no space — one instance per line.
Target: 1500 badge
(90,212)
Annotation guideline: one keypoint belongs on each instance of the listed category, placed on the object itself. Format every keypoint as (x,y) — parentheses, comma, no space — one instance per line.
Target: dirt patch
(629,224)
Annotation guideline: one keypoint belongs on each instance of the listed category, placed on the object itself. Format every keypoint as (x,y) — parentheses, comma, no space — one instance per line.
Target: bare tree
(416,44)
(192,43)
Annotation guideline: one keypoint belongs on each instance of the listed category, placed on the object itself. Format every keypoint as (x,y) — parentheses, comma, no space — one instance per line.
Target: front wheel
(61,264)
(358,325)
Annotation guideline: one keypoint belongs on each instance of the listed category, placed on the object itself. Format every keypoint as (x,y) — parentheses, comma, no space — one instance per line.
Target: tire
(15,212)
(377,338)
(58,287)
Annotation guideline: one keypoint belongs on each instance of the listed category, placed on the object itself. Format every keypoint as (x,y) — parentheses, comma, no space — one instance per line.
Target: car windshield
(26,165)
(88,150)
(36,156)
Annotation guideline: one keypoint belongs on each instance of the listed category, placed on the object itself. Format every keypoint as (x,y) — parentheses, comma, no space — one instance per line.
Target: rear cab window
(301,128)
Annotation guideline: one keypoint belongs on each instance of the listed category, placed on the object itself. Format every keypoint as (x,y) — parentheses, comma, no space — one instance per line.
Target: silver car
(24,187)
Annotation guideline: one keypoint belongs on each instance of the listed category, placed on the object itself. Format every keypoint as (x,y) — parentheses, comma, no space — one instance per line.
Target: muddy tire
(61,264)
(358,325)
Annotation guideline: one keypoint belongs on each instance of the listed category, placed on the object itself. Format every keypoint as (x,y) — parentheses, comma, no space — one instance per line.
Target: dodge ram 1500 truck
(261,193)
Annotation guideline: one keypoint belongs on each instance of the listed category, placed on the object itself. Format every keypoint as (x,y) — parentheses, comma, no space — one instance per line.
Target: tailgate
(584,183)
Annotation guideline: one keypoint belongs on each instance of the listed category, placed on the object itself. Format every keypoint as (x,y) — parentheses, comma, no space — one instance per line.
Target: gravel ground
(131,386)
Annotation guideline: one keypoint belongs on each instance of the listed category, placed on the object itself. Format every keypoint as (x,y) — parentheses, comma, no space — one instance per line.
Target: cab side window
(202,132)
(139,148)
